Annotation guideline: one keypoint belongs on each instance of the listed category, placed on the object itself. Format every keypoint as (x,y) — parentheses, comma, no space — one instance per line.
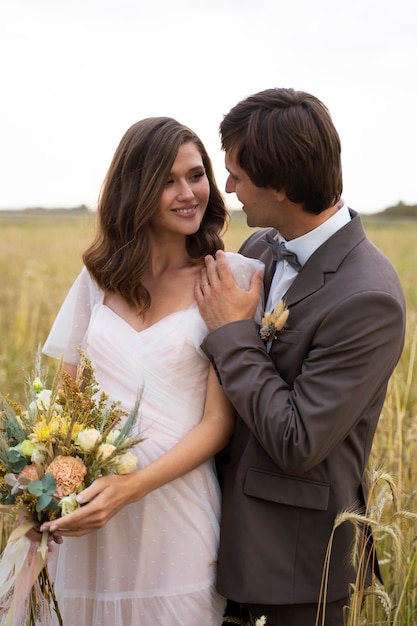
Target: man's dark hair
(285,139)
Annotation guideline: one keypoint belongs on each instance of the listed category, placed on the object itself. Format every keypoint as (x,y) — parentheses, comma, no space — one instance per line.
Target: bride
(143,548)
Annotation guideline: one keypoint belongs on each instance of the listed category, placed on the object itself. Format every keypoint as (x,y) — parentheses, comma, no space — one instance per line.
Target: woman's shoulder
(235,258)
(243,268)
(86,281)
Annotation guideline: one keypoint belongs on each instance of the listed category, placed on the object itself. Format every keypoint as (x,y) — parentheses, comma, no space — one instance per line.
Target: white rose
(43,402)
(105,450)
(112,436)
(68,504)
(39,454)
(126,463)
(43,399)
(87,439)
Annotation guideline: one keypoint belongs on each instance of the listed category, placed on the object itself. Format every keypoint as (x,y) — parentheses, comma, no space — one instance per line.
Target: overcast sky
(75,74)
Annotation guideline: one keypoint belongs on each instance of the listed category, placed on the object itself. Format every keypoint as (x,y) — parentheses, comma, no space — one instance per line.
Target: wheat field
(40,255)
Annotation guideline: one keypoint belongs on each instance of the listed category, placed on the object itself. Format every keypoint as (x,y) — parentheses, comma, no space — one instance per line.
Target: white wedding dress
(154,563)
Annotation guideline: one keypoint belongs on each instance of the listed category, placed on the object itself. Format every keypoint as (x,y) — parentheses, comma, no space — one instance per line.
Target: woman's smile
(186,212)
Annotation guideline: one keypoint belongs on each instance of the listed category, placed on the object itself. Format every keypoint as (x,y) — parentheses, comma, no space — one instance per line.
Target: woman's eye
(197,176)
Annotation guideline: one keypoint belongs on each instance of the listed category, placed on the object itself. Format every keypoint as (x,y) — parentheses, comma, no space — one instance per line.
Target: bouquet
(50,450)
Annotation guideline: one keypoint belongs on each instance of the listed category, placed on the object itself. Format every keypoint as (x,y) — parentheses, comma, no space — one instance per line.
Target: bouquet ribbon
(20,565)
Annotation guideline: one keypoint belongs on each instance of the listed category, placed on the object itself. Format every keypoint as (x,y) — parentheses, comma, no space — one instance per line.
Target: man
(307,402)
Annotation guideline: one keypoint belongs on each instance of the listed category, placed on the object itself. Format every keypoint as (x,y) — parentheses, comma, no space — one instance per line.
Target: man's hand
(220,299)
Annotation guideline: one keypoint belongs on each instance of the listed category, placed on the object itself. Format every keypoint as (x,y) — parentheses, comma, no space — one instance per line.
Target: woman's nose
(185,192)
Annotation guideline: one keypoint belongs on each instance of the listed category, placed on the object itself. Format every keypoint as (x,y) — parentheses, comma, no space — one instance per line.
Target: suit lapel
(326,260)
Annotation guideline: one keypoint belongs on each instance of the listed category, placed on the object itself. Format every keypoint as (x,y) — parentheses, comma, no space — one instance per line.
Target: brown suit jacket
(307,414)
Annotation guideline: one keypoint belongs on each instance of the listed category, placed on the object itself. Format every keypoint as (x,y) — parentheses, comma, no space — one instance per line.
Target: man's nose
(230,185)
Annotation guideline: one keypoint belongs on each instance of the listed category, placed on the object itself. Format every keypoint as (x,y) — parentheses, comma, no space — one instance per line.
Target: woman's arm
(107,495)
(71,369)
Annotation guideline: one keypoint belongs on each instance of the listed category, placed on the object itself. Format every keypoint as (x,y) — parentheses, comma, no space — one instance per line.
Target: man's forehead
(230,160)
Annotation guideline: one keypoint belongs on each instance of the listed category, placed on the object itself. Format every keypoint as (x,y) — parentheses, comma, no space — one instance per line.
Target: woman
(152,562)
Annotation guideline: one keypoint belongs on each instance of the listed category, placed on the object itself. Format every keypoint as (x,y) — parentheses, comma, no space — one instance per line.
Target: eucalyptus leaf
(43,502)
(36,487)
(49,482)
(15,455)
(44,486)
(17,461)
(53,505)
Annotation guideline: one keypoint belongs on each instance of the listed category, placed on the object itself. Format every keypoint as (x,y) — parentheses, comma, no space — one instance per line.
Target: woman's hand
(101,501)
(36,536)
(107,495)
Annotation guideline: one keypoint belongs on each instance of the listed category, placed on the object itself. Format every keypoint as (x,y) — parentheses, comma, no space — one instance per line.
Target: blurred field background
(40,256)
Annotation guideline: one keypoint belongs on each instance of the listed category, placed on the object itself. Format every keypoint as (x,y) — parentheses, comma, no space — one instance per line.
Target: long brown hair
(120,252)
(284,138)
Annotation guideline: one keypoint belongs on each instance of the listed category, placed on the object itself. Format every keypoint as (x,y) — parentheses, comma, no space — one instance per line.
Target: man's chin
(247,216)
(250,221)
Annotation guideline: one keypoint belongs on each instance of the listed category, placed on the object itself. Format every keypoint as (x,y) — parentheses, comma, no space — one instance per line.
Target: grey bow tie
(280,252)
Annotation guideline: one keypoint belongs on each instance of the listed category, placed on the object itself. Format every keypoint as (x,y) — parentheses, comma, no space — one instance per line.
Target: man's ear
(281,195)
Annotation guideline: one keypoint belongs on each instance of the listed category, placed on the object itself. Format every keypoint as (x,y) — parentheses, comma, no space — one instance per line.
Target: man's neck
(304,222)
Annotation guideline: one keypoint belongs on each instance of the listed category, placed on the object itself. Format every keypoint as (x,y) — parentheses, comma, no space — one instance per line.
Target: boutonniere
(272,323)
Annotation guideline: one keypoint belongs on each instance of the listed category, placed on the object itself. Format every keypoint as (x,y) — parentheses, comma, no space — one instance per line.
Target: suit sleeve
(342,372)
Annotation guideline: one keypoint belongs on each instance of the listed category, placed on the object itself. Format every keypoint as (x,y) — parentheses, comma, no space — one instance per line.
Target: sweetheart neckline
(162,319)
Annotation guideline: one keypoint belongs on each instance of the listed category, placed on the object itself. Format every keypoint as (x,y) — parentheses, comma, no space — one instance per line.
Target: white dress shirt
(303,247)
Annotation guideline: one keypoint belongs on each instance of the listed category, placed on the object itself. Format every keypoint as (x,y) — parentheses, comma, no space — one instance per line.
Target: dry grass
(39,259)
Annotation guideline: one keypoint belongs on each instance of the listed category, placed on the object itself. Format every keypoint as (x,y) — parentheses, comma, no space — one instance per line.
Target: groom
(308,402)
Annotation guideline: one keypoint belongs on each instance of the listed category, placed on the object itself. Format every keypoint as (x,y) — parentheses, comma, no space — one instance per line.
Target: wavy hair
(285,139)
(130,197)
